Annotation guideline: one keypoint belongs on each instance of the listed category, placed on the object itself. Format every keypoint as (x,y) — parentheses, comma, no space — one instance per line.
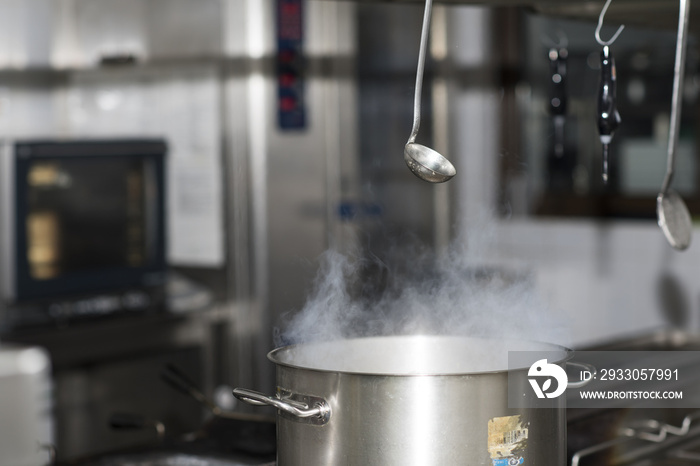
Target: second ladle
(673,215)
(424,162)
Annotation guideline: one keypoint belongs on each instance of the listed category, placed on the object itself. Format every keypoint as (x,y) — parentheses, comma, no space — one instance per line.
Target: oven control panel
(62,311)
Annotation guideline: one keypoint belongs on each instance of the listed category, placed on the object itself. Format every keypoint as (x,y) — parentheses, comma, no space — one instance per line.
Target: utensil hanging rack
(658,14)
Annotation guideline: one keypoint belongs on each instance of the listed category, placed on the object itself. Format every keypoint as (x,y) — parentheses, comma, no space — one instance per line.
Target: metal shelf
(661,14)
(658,14)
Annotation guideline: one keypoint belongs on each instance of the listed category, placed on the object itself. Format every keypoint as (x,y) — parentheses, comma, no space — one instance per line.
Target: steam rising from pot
(419,292)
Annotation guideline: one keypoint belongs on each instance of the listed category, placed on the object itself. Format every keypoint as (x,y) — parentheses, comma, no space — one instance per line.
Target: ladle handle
(312,409)
(178,380)
(583,382)
(678,77)
(421,66)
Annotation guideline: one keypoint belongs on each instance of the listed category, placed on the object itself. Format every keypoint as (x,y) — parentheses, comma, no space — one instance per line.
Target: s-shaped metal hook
(600,25)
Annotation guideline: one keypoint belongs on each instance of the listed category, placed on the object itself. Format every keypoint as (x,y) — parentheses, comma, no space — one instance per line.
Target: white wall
(607,279)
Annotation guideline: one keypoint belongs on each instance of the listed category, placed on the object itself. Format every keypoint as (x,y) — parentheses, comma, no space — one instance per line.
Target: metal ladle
(423,161)
(673,216)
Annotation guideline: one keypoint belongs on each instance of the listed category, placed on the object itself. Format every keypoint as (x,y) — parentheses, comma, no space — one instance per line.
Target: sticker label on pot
(507,440)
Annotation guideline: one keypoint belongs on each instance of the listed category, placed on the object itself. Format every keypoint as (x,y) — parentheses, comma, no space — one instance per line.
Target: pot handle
(313,410)
(583,382)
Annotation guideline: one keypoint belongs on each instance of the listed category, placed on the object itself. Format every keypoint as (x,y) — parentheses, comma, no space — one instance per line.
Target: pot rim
(273,356)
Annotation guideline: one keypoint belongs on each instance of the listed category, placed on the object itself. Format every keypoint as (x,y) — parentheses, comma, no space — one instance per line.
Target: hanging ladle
(423,161)
(673,216)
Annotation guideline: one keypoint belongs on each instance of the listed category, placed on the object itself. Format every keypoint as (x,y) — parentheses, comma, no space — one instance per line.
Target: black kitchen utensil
(178,380)
(608,116)
(130,421)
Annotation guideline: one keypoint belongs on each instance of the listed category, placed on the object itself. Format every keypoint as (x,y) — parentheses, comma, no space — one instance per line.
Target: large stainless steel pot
(409,400)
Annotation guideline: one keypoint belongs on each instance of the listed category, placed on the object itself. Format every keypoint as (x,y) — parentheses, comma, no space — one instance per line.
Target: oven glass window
(86,214)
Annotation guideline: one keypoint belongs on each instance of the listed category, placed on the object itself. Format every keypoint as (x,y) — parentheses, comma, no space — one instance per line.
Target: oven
(83,229)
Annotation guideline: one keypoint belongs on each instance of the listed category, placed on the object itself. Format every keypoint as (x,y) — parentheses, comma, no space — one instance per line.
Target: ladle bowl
(428,164)
(674,219)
